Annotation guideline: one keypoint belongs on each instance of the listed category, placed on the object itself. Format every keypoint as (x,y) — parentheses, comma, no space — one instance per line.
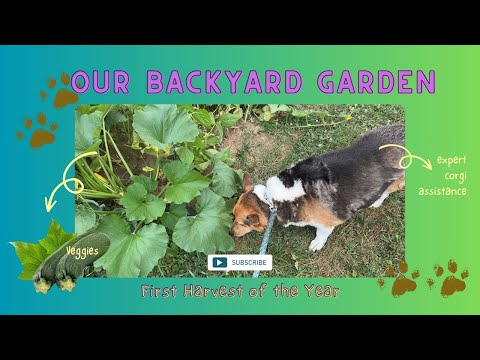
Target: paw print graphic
(43,134)
(451,284)
(63,96)
(402,284)
(40,135)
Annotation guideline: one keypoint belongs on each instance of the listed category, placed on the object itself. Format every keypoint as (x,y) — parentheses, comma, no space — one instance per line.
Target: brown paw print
(402,284)
(64,96)
(451,284)
(40,136)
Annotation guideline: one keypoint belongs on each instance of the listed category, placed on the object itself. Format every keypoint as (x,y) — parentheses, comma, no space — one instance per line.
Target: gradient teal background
(437,228)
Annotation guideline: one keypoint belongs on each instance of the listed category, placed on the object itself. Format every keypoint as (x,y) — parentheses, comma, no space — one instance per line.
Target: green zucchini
(44,277)
(77,258)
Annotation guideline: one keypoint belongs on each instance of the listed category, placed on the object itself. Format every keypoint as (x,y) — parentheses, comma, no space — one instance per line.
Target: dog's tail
(384,135)
(392,134)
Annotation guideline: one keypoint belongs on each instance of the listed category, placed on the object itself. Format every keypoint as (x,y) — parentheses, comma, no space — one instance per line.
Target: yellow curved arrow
(49,203)
(409,156)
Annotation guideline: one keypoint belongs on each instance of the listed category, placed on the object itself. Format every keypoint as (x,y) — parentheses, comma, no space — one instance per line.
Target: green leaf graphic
(31,256)
(56,237)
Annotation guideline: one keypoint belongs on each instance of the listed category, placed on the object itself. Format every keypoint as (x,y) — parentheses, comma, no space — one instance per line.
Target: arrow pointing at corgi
(49,203)
(405,165)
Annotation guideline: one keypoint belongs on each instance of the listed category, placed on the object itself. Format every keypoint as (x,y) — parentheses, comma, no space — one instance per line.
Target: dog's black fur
(348,179)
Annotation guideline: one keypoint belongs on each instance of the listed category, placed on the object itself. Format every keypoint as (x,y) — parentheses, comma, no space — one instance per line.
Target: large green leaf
(185,155)
(140,205)
(150,184)
(204,118)
(278,107)
(300,113)
(87,132)
(185,183)
(131,255)
(115,117)
(228,119)
(208,230)
(224,179)
(163,125)
(85,219)
(225,155)
(31,256)
(171,217)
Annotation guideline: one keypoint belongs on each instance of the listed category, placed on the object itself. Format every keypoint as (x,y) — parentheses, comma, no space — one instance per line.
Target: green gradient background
(437,228)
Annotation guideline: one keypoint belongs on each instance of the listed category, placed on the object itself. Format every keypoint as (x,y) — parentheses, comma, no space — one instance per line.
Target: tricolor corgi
(325,191)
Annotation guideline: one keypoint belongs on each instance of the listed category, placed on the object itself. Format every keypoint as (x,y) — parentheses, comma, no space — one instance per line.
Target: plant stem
(113,177)
(120,154)
(105,136)
(157,166)
(139,224)
(99,194)
(115,187)
(88,176)
(100,185)
(108,212)
(164,189)
(247,112)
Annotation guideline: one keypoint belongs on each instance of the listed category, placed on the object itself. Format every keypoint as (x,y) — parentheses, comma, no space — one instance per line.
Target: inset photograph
(170,184)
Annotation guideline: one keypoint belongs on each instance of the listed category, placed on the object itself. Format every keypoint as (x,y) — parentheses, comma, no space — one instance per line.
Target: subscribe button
(239,262)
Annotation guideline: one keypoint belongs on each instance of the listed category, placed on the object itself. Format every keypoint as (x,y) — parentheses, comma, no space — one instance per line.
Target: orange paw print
(402,284)
(40,136)
(451,284)
(64,96)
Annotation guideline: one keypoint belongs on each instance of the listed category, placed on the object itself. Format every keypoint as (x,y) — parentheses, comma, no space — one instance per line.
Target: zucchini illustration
(44,277)
(78,257)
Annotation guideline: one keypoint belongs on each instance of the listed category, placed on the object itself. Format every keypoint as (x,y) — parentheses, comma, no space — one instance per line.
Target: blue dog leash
(266,236)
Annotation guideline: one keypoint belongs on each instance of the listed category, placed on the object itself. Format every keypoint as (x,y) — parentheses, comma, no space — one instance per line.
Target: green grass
(362,247)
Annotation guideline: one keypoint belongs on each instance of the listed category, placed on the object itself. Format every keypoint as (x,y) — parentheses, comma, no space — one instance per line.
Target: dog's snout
(231,232)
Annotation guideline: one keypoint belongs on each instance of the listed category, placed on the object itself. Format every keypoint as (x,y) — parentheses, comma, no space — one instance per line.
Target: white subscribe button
(239,262)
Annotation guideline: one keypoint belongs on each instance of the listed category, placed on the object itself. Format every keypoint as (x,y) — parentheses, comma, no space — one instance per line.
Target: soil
(235,138)
(134,158)
(249,134)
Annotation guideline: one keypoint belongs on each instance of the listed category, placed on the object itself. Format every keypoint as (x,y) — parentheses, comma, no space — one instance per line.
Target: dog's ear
(253,220)
(247,182)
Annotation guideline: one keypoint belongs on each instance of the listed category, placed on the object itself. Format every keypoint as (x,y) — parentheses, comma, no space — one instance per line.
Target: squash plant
(181,199)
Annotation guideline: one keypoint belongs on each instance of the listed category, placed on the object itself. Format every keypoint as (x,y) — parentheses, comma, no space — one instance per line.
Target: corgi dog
(325,191)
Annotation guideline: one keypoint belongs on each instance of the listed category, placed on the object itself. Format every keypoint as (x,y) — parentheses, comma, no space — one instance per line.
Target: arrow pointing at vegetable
(403,164)
(49,203)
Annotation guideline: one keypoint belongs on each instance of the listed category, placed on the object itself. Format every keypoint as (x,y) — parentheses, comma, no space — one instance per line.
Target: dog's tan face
(247,212)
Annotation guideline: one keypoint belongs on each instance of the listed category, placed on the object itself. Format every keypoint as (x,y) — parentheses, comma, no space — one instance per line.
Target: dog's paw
(380,200)
(316,244)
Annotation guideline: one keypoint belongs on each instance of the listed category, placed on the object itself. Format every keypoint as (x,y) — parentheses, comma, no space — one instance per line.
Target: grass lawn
(362,247)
